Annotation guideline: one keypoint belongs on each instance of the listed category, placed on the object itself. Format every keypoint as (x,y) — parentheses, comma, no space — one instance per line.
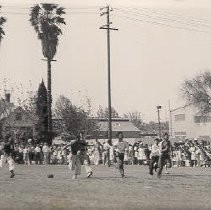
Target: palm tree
(46,20)
(2,21)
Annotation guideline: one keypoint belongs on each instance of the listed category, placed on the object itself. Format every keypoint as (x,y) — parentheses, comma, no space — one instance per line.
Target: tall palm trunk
(46,19)
(49,100)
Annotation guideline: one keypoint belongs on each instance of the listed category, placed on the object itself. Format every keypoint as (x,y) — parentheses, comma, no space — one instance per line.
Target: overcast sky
(158,45)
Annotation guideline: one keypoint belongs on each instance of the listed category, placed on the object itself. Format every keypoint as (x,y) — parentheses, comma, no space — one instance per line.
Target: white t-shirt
(37,149)
(25,151)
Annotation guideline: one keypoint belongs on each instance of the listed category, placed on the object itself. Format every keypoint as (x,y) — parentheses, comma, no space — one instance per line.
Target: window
(181,133)
(180,117)
(18,116)
(202,119)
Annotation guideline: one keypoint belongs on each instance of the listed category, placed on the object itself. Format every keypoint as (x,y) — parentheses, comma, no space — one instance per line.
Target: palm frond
(60,11)
(58,20)
(34,17)
(49,7)
(46,19)
(2,21)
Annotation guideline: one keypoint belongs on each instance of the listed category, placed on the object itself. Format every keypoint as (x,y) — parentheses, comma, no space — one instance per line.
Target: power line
(27,13)
(72,8)
(157,11)
(161,20)
(15,13)
(158,23)
(164,17)
(164,13)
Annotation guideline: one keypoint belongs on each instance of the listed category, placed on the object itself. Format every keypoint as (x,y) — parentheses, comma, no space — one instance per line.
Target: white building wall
(188,128)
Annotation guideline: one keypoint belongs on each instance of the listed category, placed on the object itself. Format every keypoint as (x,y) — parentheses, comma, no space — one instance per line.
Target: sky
(159,44)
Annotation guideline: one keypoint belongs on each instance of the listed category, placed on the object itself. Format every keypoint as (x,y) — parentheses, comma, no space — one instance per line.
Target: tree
(136,118)
(42,113)
(75,119)
(46,20)
(2,21)
(103,112)
(197,91)
(28,104)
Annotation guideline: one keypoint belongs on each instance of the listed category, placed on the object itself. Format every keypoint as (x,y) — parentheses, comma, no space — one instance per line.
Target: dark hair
(165,134)
(78,137)
(120,132)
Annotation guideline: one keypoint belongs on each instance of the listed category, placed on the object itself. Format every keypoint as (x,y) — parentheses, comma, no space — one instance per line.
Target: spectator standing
(198,154)
(20,154)
(31,153)
(135,154)
(192,150)
(97,148)
(46,153)
(53,155)
(64,154)
(59,155)
(37,152)
(106,154)
(141,154)
(25,155)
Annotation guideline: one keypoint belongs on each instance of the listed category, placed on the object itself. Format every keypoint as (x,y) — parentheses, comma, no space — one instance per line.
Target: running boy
(7,156)
(121,148)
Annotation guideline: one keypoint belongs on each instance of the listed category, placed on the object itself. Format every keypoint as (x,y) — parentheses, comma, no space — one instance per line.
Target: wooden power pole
(107,10)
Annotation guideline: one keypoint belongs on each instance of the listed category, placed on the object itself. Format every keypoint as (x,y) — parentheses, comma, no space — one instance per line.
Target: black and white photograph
(105,104)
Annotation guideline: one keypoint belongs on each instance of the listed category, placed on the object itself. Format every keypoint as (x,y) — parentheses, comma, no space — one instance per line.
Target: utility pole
(158,110)
(170,120)
(107,10)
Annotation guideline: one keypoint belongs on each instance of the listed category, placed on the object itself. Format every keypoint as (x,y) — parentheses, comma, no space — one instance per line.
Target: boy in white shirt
(120,148)
(154,156)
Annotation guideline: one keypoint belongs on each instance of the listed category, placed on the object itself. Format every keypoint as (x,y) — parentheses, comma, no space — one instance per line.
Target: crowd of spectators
(184,153)
(192,153)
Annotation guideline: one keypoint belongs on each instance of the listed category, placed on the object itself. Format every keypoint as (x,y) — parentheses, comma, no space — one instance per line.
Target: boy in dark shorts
(165,156)
(121,148)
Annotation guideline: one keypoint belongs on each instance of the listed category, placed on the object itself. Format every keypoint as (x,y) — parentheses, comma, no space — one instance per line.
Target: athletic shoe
(89,174)
(123,176)
(159,176)
(74,177)
(151,173)
(12,175)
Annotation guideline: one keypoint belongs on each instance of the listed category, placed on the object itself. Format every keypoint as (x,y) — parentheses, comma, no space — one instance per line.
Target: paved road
(184,188)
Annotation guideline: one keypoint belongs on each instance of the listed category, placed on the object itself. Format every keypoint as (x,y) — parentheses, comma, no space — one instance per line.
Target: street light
(158,110)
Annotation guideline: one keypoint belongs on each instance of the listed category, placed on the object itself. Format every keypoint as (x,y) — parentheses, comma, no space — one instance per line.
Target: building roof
(181,107)
(117,125)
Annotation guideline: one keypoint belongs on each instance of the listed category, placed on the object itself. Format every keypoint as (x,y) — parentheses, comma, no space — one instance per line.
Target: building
(19,124)
(130,132)
(188,122)
(118,125)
